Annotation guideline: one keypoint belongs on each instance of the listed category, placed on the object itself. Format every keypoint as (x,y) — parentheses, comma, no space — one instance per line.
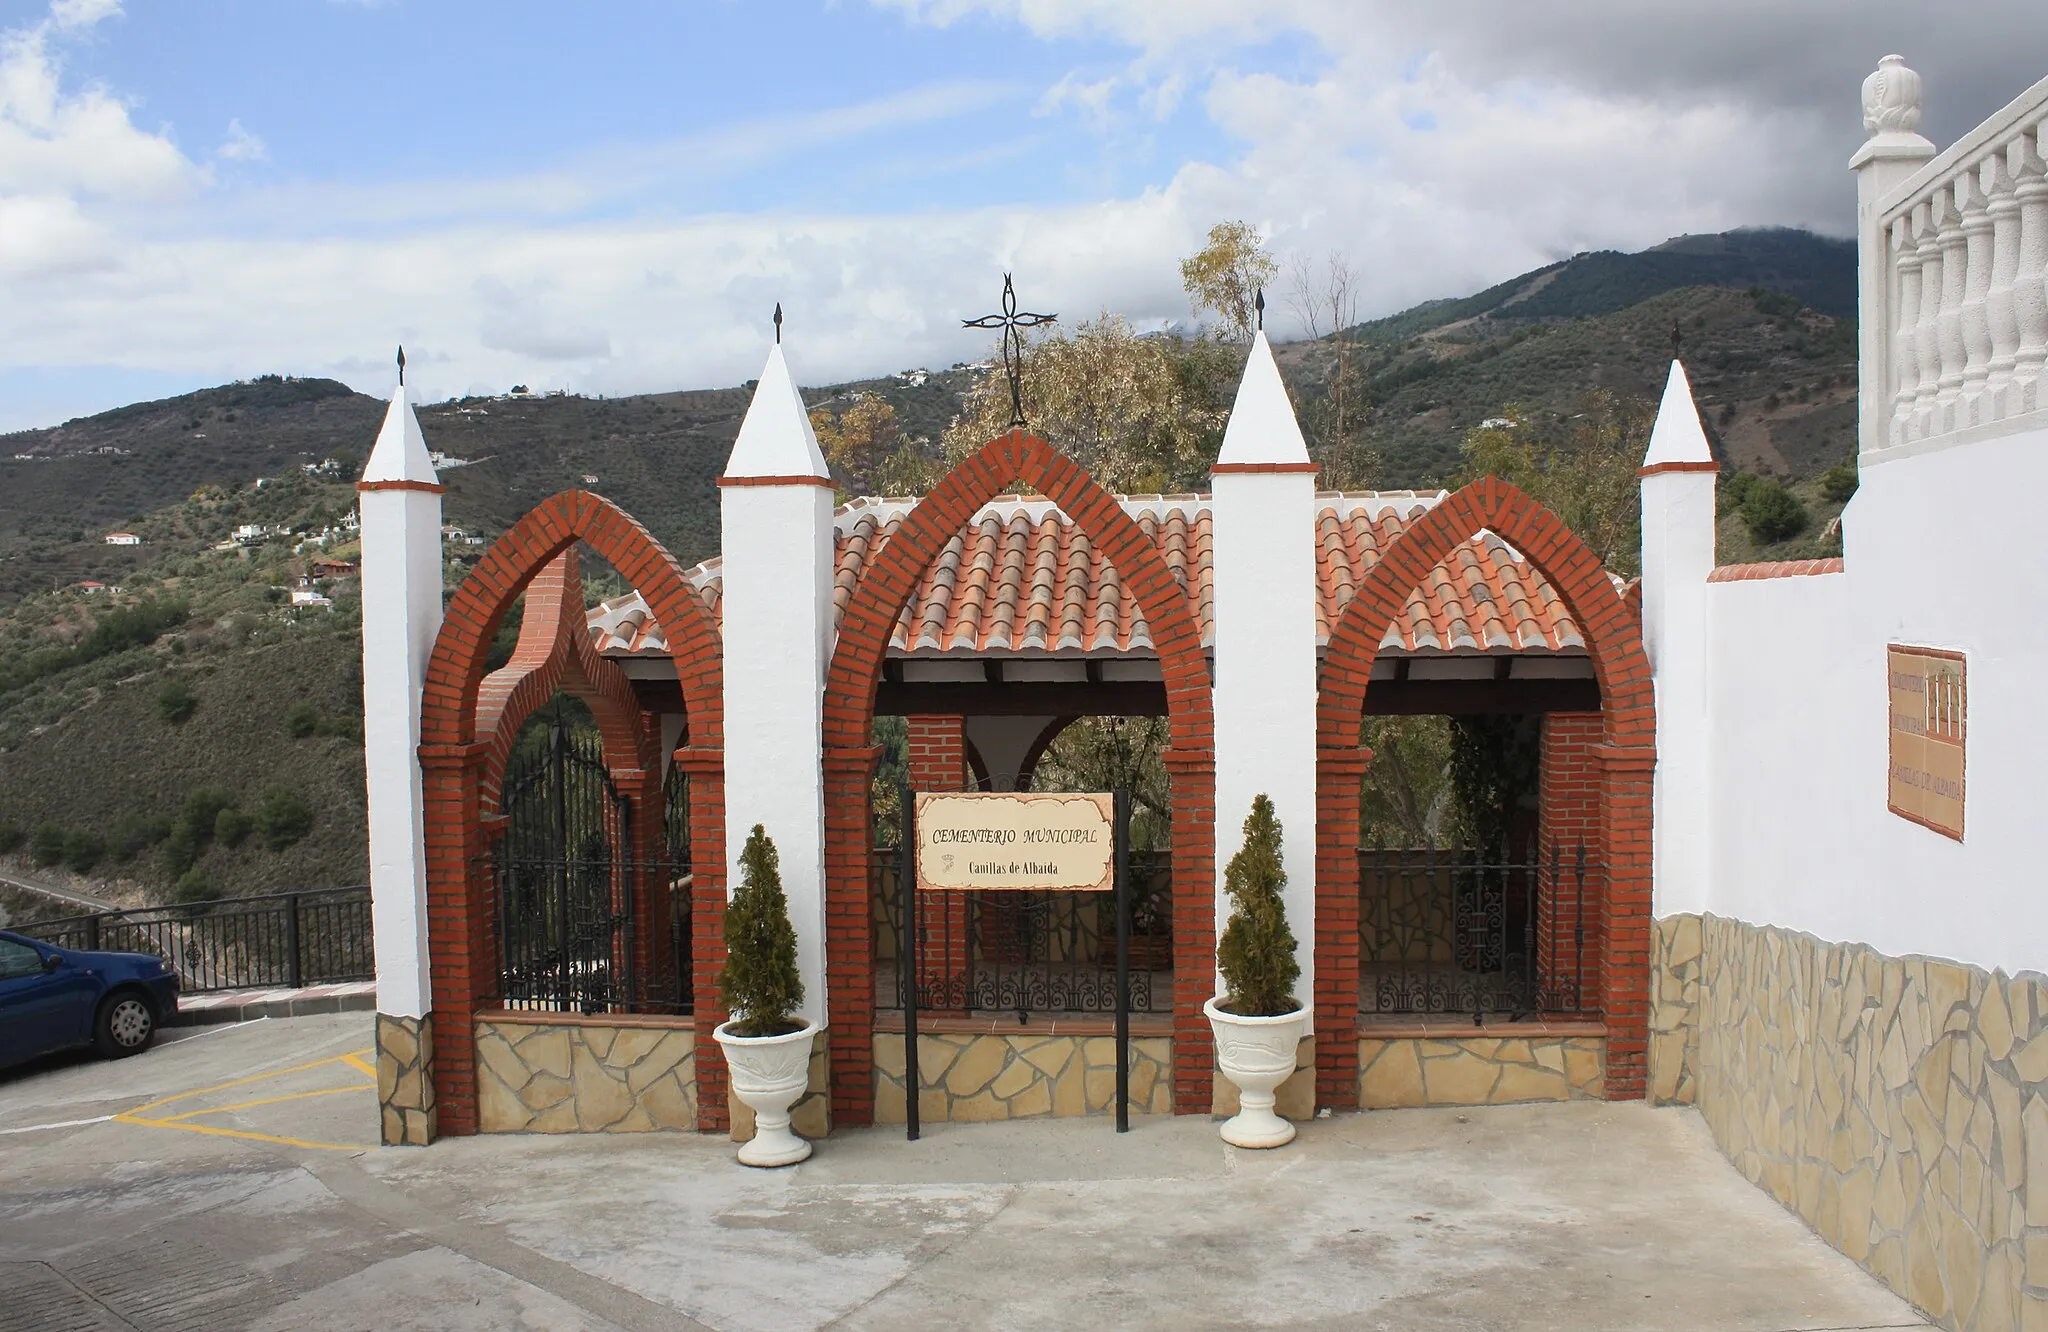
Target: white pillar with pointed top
(400,502)
(1679,478)
(1264,562)
(775,500)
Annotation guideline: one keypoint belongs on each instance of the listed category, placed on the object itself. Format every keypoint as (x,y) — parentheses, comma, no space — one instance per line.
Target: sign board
(1050,841)
(1929,721)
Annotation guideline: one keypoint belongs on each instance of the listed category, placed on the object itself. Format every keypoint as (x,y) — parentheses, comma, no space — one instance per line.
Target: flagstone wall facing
(1675,1010)
(570,1074)
(975,1077)
(1899,1105)
(405,1082)
(1445,1069)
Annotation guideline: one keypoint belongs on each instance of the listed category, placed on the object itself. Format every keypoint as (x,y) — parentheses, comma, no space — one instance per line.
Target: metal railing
(1487,934)
(283,940)
(1027,952)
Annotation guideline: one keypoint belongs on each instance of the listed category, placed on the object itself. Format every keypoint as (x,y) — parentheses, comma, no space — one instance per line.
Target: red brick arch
(1628,709)
(460,735)
(864,633)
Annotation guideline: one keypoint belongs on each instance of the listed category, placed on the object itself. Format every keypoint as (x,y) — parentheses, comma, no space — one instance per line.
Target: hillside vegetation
(199,694)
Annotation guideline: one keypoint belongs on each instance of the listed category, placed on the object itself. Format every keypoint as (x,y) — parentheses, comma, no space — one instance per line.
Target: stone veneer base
(1463,1065)
(566,1073)
(405,1085)
(1899,1105)
(975,1077)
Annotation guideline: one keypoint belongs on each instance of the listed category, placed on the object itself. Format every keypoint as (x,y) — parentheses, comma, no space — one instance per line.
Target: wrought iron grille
(1026,952)
(287,939)
(1462,931)
(584,923)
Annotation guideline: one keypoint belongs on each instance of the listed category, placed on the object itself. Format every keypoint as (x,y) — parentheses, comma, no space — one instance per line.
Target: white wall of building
(1940,552)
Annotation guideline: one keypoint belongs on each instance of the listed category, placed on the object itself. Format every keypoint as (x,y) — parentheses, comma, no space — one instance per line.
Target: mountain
(91,740)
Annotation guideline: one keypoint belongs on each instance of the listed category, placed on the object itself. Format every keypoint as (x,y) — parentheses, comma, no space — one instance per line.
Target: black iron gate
(1020,952)
(578,929)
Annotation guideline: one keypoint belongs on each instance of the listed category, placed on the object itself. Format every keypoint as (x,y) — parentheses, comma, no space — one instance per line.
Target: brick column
(460,928)
(1340,775)
(705,768)
(1625,928)
(938,762)
(1567,922)
(849,937)
(1192,776)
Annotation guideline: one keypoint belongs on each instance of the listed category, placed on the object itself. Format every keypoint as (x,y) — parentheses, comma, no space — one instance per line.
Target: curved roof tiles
(1022,579)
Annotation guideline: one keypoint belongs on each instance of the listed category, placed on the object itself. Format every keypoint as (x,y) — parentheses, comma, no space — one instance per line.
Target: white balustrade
(1964,242)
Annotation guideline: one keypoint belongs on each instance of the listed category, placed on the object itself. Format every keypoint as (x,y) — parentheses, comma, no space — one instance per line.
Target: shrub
(202,811)
(194,886)
(133,833)
(1838,483)
(1733,491)
(1772,512)
(181,848)
(301,719)
(48,846)
(176,702)
(760,982)
(82,850)
(1256,953)
(11,837)
(231,827)
(283,817)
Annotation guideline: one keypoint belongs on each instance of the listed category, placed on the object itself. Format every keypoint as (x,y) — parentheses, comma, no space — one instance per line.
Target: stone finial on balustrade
(1891,98)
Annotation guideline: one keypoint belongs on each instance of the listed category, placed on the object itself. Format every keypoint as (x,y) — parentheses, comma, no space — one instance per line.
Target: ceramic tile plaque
(1929,721)
(1052,841)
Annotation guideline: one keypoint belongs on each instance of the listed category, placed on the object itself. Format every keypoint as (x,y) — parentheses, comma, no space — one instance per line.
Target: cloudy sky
(196,192)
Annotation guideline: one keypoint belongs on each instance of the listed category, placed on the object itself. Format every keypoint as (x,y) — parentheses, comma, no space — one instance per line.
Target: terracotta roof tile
(1021,578)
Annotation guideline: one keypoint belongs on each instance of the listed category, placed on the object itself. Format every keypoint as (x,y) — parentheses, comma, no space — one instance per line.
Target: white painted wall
(401,582)
(1265,696)
(1941,553)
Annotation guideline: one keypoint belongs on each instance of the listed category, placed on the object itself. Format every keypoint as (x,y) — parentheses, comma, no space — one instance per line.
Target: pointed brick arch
(864,633)
(463,725)
(1614,640)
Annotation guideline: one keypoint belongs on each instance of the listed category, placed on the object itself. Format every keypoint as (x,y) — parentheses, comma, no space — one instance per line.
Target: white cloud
(1441,147)
(241,145)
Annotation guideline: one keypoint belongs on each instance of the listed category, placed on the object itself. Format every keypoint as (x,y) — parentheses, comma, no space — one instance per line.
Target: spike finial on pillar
(1259,309)
(778,323)
(401,363)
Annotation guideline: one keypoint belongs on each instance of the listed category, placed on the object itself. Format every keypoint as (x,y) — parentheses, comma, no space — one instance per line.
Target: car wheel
(125,1025)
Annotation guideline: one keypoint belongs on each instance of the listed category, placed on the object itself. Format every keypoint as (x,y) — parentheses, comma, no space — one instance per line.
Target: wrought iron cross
(1012,322)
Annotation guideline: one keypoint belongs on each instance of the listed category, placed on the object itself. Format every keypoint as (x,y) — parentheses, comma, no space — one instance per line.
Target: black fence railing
(1026,952)
(1487,934)
(282,940)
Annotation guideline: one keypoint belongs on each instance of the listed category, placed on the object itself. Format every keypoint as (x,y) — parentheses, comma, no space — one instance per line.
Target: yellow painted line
(356,1061)
(238,1082)
(238,1133)
(268,1100)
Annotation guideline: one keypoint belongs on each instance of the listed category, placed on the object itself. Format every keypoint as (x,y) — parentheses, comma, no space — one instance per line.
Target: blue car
(53,998)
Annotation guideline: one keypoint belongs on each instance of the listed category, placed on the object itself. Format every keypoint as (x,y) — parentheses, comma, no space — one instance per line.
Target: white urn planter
(769,1074)
(1257,1054)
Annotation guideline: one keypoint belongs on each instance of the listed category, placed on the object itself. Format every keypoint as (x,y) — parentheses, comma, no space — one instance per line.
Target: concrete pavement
(222,1181)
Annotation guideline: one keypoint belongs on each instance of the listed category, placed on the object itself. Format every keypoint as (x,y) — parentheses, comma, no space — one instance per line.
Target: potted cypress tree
(1257,1021)
(767,1046)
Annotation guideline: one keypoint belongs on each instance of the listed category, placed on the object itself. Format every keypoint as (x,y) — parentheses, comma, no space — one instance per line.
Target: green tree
(176,702)
(1141,414)
(1772,513)
(194,887)
(83,849)
(1583,471)
(859,442)
(282,817)
(1227,274)
(231,827)
(301,720)
(1256,952)
(1838,483)
(1406,797)
(760,982)
(47,847)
